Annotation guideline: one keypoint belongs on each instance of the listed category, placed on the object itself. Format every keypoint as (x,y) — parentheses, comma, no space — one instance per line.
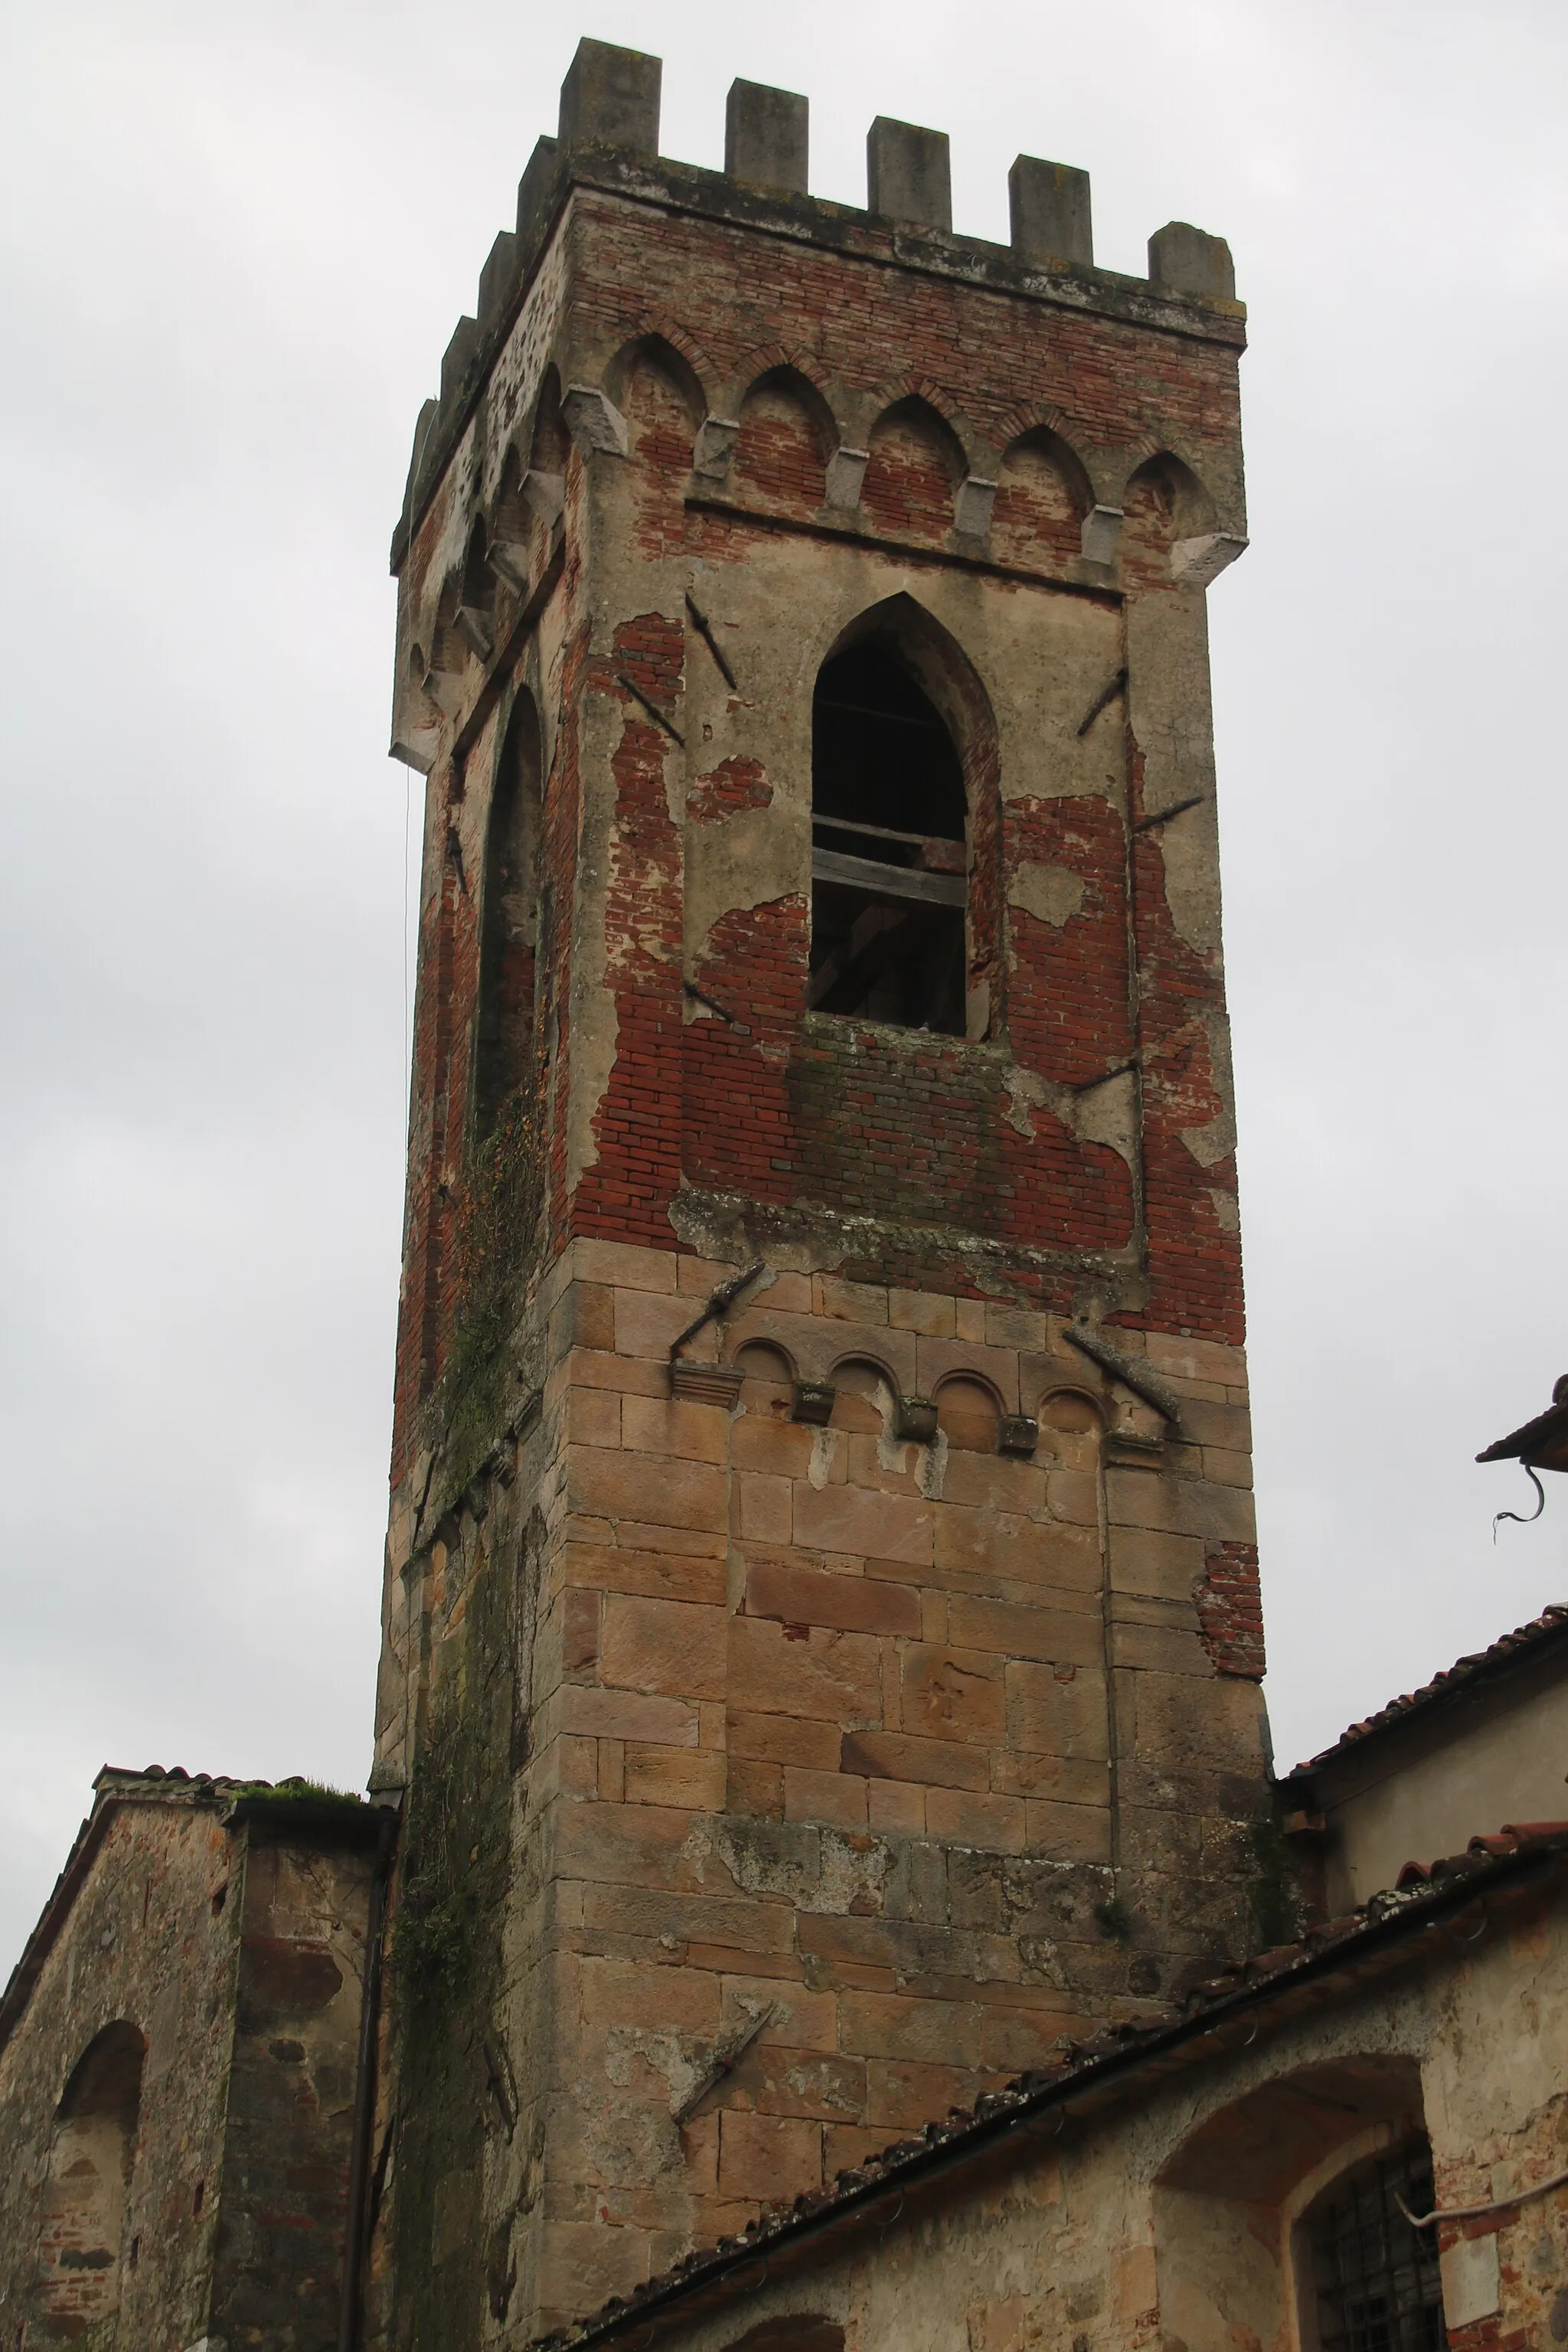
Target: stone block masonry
(807,601)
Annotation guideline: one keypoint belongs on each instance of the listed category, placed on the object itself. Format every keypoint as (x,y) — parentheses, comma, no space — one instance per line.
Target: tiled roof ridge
(1504,1651)
(1423,1892)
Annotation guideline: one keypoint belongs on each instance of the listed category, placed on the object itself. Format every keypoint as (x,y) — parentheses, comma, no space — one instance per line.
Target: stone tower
(822,1634)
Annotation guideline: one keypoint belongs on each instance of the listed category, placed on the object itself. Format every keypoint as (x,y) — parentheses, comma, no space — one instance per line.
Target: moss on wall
(446,1960)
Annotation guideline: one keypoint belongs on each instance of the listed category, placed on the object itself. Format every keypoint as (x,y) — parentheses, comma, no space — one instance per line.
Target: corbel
(1102,534)
(593,420)
(1196,561)
(846,472)
(971,511)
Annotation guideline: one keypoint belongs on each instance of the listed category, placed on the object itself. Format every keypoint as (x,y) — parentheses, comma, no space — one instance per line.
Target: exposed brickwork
(1229,1602)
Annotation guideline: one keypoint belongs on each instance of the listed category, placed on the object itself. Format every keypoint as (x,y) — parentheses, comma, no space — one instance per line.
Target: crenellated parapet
(533,342)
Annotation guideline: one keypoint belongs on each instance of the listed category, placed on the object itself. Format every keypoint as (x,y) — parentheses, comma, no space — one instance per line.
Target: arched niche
(509,918)
(867,1392)
(1042,497)
(904,776)
(915,466)
(767,1377)
(1231,2258)
(549,443)
(659,395)
(81,2240)
(1164,501)
(786,437)
(968,1414)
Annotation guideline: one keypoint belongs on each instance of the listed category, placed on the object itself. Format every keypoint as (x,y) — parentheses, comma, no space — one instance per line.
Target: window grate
(1376,2278)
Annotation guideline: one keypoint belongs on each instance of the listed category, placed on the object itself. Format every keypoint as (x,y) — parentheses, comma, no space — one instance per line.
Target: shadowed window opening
(889,856)
(1375,2278)
(509,920)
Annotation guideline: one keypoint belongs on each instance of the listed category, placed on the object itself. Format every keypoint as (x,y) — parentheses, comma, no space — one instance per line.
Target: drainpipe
(364,2089)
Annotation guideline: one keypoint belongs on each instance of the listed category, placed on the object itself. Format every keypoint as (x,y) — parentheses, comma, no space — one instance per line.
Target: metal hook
(1524,1518)
(893,2217)
(1485,1923)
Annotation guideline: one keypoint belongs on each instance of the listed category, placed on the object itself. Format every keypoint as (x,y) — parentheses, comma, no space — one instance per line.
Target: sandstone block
(593,1417)
(1064,1780)
(896,1755)
(648,1322)
(831,1677)
(781,1448)
(625,1266)
(1055,1713)
(659,1575)
(692,1543)
(838,1798)
(994,1482)
(764,1509)
(596,1369)
(769,2157)
(756,1790)
(948,1694)
(665,2000)
(805,1596)
(1168,1651)
(974,2034)
(904,2097)
(1056,1635)
(746,1924)
(848,1519)
(1071,1832)
(896,1807)
(670,1427)
(605,1714)
(583,1317)
(972,1818)
(922,1311)
(666,1647)
(1143,1560)
(779,1739)
(849,1302)
(692,1777)
(618,1487)
(1195,1360)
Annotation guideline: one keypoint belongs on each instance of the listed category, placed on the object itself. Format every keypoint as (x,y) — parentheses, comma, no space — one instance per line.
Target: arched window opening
(1373,2279)
(889,849)
(509,923)
(79,2244)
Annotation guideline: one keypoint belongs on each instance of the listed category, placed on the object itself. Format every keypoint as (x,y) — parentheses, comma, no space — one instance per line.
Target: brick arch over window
(904,799)
(787,435)
(503,1058)
(1042,496)
(1239,2206)
(81,2240)
(663,401)
(1164,501)
(915,467)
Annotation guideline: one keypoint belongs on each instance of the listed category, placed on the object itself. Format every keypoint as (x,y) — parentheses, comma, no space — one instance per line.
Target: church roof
(1525,1645)
(304,1802)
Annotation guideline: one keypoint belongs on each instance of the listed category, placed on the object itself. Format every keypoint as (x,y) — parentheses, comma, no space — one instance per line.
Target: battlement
(608,138)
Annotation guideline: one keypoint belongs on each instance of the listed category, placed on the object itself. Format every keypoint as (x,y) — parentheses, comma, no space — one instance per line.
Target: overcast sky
(234,241)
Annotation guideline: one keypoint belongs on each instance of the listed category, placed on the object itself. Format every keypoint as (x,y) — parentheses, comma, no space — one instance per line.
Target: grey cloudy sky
(233,243)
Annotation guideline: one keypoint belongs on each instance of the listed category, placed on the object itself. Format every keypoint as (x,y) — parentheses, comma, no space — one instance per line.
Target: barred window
(1375,2278)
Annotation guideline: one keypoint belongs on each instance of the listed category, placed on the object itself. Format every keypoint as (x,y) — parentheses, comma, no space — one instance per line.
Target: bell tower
(822,1637)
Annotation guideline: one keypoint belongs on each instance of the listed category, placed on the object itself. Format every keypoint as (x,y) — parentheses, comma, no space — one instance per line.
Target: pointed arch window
(889,852)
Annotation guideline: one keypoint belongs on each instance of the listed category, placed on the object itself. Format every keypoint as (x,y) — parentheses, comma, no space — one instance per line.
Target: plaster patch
(1054,893)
